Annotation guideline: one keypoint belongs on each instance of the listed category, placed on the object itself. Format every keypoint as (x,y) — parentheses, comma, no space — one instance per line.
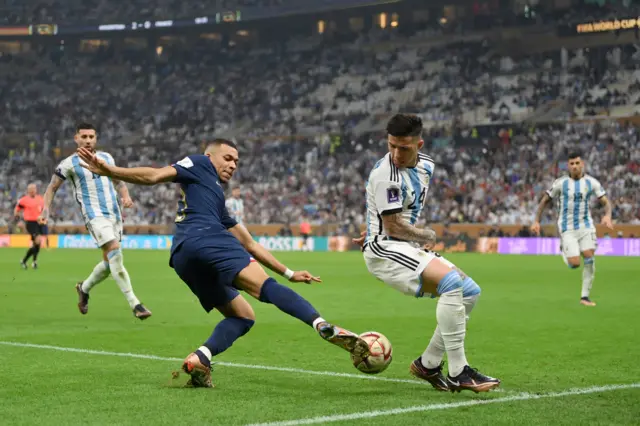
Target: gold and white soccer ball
(381,353)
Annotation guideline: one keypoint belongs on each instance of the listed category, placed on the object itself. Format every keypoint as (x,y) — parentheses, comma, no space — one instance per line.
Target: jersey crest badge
(393,195)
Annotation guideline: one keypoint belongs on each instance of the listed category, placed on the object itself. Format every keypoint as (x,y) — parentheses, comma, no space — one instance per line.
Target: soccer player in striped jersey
(398,253)
(573,194)
(235,205)
(97,198)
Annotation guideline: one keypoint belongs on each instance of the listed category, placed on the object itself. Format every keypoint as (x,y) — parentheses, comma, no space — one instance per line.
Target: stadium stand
(308,114)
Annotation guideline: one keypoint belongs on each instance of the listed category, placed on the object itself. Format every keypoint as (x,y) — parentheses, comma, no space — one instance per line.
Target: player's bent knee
(588,254)
(470,287)
(573,262)
(251,279)
(238,308)
(434,274)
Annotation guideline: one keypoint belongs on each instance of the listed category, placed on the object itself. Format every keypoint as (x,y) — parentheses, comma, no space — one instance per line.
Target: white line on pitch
(226,364)
(447,406)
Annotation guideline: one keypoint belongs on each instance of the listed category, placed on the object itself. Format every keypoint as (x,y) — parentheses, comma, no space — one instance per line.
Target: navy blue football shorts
(209,264)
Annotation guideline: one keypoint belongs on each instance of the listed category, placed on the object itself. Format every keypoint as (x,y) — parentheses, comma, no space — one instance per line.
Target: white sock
(318,321)
(432,356)
(121,276)
(588,275)
(205,350)
(452,323)
(99,274)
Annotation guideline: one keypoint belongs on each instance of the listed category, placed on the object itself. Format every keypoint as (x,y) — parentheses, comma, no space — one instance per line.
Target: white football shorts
(573,243)
(104,230)
(399,264)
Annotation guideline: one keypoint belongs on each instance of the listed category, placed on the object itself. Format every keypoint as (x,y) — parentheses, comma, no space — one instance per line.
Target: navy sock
(36,250)
(288,301)
(226,332)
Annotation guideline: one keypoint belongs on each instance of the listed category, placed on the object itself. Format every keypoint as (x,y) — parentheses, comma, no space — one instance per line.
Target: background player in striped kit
(235,205)
(97,198)
(577,230)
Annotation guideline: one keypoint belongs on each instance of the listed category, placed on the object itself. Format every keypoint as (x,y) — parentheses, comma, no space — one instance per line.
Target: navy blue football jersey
(201,208)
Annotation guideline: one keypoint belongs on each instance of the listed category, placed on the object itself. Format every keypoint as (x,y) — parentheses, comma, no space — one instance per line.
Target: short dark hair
(402,125)
(574,154)
(85,126)
(220,141)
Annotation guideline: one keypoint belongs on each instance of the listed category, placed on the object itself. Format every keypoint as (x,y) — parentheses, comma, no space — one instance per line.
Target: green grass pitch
(528,329)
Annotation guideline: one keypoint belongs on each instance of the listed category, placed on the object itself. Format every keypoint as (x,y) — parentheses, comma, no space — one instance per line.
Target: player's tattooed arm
(608,211)
(395,226)
(535,227)
(53,187)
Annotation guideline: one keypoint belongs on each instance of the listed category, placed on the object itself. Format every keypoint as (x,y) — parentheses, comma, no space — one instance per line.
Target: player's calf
(121,276)
(588,275)
(224,335)
(288,301)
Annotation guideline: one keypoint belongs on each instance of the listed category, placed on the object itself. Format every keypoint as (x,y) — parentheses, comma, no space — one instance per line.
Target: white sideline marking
(226,364)
(446,406)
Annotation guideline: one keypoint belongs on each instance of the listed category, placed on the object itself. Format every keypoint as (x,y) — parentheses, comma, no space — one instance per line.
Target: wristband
(288,273)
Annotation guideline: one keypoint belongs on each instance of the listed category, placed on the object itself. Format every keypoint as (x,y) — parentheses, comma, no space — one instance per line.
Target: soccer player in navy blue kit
(214,255)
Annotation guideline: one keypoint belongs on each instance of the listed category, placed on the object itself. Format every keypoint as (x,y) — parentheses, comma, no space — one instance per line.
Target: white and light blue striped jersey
(394,190)
(235,207)
(573,199)
(95,194)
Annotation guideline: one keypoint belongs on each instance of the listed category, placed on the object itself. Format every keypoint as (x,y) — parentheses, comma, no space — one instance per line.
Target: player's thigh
(251,279)
(398,265)
(33,228)
(238,308)
(570,245)
(104,232)
(588,242)
(202,278)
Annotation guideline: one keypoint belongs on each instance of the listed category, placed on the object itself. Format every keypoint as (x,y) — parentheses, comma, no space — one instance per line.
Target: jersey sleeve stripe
(59,174)
(395,174)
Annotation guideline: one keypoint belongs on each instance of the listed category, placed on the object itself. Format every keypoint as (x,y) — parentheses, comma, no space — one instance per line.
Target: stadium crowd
(282,182)
(296,109)
(103,11)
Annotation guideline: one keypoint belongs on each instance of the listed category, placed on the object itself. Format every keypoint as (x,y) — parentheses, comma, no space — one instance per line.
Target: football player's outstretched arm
(267,259)
(53,187)
(395,226)
(136,175)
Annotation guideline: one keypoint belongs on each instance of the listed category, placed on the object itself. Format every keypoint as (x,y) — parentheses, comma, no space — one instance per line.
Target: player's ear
(420,144)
